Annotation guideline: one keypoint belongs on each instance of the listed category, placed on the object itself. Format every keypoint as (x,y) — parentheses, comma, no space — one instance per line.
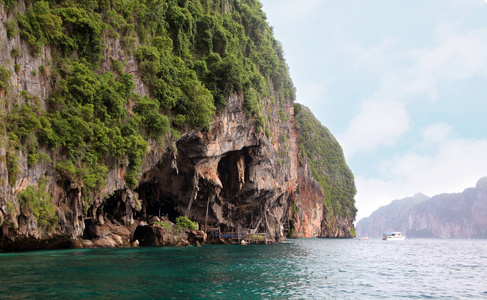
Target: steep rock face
(232,170)
(325,205)
(307,208)
(461,215)
(235,174)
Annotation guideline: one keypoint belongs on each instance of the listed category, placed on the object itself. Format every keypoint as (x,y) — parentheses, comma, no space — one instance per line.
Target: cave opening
(156,202)
(233,172)
(114,208)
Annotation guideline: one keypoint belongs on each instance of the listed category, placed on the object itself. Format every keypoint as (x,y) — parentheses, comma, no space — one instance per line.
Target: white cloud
(457,164)
(315,93)
(417,72)
(462,5)
(377,58)
(298,9)
(456,56)
(379,122)
(437,133)
(383,118)
(402,71)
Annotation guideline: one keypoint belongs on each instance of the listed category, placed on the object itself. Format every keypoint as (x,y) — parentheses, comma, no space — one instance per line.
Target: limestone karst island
(150,122)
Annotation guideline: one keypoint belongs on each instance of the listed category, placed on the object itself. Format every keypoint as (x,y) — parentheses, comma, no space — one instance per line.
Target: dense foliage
(191,54)
(37,201)
(328,166)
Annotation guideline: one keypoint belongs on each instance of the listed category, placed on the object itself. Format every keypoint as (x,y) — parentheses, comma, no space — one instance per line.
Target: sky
(401,84)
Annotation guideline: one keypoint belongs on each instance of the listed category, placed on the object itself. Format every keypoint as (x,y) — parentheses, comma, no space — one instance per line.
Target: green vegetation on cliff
(37,201)
(325,157)
(192,55)
(183,222)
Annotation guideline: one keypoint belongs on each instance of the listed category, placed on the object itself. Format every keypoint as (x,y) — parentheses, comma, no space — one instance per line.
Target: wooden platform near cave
(236,237)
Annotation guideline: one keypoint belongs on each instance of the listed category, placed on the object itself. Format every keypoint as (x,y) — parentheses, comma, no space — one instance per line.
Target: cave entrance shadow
(234,172)
(156,202)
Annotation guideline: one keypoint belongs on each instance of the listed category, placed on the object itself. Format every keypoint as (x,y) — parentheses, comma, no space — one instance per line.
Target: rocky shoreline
(101,233)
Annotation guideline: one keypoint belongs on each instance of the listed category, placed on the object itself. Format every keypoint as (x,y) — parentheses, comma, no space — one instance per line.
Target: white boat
(393,236)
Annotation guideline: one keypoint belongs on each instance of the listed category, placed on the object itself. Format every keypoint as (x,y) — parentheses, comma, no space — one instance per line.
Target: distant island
(458,215)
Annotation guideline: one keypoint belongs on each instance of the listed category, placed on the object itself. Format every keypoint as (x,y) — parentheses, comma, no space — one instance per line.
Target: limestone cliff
(460,215)
(119,115)
(325,205)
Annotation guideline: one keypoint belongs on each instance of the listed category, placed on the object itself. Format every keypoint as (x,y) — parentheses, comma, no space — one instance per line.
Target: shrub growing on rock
(184,222)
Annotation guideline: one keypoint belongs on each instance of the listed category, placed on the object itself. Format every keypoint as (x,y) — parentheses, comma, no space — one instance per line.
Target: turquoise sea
(296,269)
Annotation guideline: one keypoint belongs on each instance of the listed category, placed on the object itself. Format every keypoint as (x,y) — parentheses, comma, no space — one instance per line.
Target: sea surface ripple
(295,269)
